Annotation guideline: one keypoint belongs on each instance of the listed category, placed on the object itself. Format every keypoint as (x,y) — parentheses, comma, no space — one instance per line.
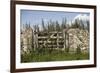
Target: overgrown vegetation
(44,55)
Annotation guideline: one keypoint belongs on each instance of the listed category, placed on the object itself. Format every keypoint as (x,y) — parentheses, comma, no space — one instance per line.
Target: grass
(44,55)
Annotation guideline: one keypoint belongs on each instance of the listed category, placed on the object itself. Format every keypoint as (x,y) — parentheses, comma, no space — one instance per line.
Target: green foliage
(78,51)
(44,55)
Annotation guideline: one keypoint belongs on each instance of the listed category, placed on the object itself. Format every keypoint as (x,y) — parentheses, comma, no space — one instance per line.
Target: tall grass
(44,55)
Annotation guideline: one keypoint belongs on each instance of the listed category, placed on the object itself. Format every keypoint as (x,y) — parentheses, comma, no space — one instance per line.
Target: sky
(34,17)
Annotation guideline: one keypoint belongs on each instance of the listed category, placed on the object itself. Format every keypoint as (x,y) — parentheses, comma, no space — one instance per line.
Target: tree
(76,24)
(57,26)
(52,25)
(26,26)
(43,25)
(88,26)
(48,26)
(82,26)
(63,25)
(36,28)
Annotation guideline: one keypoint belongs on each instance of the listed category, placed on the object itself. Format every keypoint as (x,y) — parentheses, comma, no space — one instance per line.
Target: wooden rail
(50,40)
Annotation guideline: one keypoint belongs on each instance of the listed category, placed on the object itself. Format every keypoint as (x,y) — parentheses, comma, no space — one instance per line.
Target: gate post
(64,36)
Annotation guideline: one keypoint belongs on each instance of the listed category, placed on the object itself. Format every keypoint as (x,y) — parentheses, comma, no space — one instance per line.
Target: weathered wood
(50,40)
(64,35)
(57,40)
(35,40)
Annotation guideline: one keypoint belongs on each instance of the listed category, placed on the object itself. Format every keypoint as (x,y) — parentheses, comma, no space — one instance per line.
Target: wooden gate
(50,40)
